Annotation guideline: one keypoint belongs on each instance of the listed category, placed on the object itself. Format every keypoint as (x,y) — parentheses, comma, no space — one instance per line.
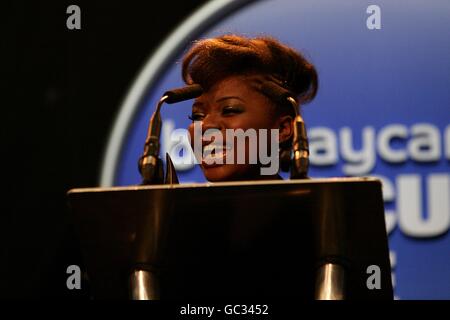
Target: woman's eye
(231,110)
(195,116)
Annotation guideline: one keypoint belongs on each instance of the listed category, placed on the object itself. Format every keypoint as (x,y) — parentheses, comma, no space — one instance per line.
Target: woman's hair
(211,60)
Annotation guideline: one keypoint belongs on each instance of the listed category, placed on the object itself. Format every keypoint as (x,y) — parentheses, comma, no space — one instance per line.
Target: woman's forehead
(242,86)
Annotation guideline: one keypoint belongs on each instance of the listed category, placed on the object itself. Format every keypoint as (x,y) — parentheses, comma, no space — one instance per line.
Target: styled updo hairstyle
(211,60)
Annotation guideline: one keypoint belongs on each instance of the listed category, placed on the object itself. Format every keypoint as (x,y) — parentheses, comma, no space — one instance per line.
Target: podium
(300,239)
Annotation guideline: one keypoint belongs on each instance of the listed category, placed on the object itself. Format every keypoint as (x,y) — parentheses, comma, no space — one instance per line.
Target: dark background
(61,90)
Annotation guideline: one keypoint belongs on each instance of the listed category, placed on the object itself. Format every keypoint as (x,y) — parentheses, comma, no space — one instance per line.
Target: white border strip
(146,78)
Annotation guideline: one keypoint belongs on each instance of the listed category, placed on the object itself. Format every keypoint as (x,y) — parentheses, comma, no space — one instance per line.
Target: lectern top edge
(225,184)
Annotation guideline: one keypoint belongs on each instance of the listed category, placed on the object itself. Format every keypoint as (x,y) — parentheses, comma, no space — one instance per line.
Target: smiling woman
(231,69)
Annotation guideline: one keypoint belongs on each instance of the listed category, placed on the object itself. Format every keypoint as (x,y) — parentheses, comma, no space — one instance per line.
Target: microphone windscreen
(184,93)
(275,91)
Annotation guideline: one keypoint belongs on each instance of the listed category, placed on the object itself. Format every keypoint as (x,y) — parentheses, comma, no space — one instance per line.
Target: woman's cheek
(191,134)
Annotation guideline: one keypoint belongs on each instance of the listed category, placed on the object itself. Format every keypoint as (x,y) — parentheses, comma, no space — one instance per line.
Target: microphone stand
(330,278)
(331,274)
(144,283)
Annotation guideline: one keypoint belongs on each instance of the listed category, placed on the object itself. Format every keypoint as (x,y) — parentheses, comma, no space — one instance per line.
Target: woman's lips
(215,155)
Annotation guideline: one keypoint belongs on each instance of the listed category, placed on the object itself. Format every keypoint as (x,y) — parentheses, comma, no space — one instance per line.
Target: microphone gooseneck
(300,148)
(150,165)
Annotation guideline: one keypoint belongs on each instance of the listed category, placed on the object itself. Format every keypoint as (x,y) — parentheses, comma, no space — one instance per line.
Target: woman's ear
(285,127)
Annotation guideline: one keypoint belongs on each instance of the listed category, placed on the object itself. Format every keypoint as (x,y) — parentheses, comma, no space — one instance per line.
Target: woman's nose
(212,121)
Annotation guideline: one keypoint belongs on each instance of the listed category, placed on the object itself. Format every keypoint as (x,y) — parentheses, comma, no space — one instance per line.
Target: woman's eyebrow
(229,97)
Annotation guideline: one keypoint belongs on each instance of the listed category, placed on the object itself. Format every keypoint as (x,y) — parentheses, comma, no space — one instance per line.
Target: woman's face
(234,104)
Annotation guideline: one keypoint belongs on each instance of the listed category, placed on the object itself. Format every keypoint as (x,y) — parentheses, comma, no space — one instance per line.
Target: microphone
(150,165)
(276,92)
(300,147)
(184,93)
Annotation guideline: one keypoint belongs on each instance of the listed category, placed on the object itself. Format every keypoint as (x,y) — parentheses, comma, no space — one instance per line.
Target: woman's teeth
(210,148)
(214,151)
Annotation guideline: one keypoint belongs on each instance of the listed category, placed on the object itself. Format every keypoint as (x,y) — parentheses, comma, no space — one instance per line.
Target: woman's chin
(227,172)
(217,173)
